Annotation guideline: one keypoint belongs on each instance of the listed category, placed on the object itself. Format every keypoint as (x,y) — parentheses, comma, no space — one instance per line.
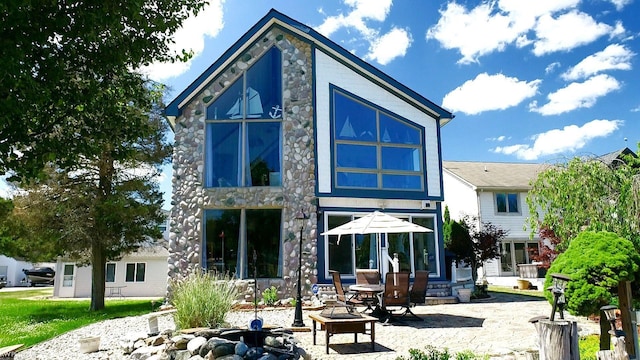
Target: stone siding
(190,198)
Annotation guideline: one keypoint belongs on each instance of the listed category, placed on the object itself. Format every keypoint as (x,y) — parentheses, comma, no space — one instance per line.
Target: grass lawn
(29,317)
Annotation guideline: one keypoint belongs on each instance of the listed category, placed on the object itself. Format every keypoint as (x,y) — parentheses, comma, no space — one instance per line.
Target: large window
(110,273)
(374,149)
(244,128)
(232,236)
(135,272)
(507,203)
(416,251)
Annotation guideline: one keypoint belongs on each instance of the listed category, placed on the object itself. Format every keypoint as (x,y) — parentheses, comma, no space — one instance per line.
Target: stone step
(439,300)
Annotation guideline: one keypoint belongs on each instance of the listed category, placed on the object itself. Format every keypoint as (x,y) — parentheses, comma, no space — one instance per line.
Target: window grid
(507,203)
(380,145)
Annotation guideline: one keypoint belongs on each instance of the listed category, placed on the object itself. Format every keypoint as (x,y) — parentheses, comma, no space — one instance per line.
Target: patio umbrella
(376,223)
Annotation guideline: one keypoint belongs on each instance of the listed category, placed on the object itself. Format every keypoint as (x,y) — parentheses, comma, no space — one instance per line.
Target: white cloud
(636,109)
(489,92)
(551,67)
(382,48)
(474,32)
(566,32)
(577,95)
(500,138)
(389,46)
(613,57)
(557,141)
(619,4)
(550,25)
(190,37)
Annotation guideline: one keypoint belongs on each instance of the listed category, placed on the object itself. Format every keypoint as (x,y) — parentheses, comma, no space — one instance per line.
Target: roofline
(273,17)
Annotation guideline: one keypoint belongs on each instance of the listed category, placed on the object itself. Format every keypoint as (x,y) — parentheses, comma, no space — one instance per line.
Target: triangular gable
(174,109)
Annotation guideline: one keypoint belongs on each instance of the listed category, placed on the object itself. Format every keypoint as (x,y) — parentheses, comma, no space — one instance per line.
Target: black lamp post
(559,285)
(297,321)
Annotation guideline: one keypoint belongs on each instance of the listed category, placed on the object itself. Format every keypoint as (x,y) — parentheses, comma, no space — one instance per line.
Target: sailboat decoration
(254,108)
(347,130)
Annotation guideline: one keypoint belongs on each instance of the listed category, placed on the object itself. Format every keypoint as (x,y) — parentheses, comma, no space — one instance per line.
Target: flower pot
(464,295)
(89,344)
(523,284)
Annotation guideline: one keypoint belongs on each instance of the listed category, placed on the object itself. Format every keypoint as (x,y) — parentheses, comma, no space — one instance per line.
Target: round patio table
(371,295)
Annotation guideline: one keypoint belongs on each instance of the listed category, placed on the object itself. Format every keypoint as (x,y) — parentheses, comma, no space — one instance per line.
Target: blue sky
(527,80)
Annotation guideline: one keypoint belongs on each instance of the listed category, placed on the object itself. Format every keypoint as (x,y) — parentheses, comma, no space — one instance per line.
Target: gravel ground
(498,327)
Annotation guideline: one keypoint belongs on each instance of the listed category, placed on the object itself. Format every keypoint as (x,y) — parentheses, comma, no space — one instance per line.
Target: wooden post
(618,352)
(625,300)
(558,340)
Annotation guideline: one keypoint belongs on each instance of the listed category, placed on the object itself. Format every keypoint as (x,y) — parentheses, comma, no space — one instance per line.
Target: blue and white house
(288,121)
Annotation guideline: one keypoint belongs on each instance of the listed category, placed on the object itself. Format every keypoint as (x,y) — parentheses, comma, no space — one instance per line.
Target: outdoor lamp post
(297,321)
(559,285)
(610,312)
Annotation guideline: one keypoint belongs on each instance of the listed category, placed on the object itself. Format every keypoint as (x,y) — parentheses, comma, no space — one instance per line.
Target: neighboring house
(288,121)
(11,270)
(139,274)
(496,193)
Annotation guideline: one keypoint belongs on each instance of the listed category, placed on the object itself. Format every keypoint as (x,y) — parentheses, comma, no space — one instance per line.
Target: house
(139,274)
(11,270)
(495,192)
(287,122)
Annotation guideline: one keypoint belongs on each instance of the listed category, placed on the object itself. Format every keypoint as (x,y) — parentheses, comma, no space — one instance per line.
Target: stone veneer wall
(190,198)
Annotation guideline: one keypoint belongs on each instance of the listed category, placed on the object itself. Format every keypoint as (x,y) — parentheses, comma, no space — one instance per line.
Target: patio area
(497,326)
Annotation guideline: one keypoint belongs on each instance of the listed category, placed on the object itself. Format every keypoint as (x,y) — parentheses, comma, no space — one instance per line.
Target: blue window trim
(374,193)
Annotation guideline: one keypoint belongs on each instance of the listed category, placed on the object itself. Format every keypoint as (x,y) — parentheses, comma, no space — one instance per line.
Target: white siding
(512,222)
(330,71)
(154,284)
(460,197)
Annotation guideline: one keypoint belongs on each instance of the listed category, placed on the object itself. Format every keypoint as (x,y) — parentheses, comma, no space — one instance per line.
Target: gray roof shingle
(495,175)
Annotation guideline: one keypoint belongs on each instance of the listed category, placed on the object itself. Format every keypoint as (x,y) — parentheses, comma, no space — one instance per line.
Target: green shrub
(202,300)
(270,296)
(589,346)
(431,353)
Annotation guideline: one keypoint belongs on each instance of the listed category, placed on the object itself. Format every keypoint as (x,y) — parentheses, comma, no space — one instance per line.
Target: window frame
(136,271)
(380,172)
(243,167)
(244,265)
(106,272)
(507,211)
(432,261)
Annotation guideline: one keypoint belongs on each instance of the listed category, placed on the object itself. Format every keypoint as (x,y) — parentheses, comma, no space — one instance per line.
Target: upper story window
(244,128)
(374,149)
(507,203)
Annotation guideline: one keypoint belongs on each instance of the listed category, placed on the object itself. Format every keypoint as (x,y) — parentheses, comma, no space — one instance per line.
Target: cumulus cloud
(551,67)
(389,46)
(474,32)
(500,138)
(190,37)
(489,92)
(566,32)
(613,57)
(491,26)
(382,48)
(577,95)
(558,141)
(620,4)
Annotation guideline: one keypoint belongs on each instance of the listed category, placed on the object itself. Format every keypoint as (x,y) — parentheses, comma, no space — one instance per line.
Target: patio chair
(396,293)
(418,290)
(367,276)
(347,298)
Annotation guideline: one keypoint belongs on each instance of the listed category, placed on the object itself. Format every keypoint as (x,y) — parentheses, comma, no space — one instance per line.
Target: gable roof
(616,156)
(494,175)
(174,108)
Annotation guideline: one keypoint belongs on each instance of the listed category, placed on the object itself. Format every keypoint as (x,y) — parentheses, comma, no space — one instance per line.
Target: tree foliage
(547,250)
(108,203)
(587,194)
(475,243)
(59,62)
(596,263)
